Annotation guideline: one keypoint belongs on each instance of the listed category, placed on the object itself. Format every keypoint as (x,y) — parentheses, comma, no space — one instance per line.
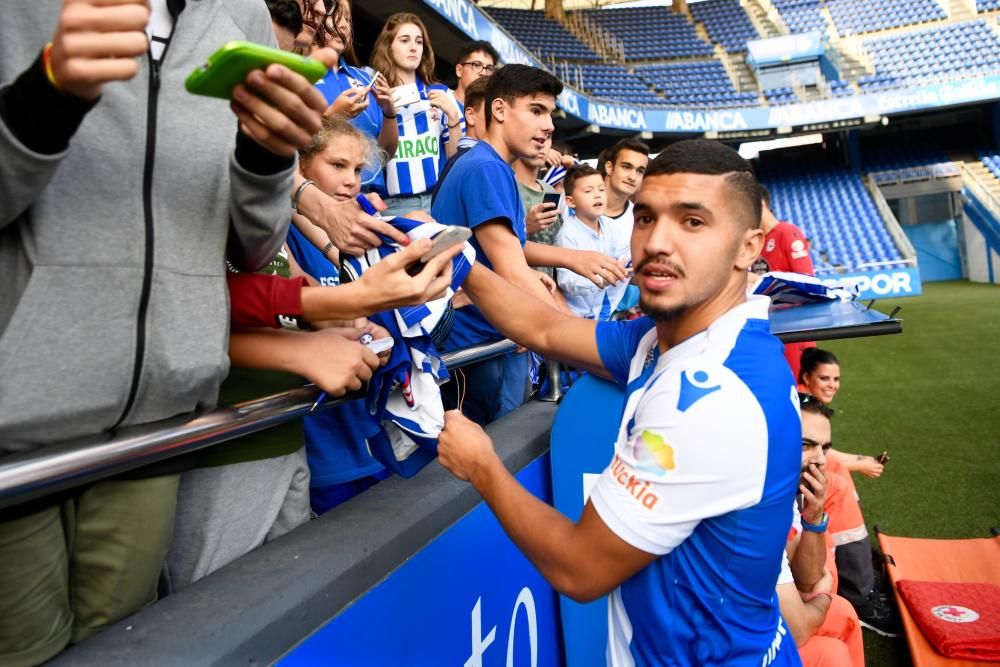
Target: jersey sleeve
(489,194)
(696,448)
(265,300)
(617,342)
(796,248)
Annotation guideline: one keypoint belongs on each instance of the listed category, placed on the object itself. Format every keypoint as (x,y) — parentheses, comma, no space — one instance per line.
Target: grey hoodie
(73,240)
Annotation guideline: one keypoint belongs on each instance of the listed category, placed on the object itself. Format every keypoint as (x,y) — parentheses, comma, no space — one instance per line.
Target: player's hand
(333,362)
(278,108)
(351,229)
(349,103)
(387,285)
(444,102)
(812,490)
(464,449)
(540,216)
(598,267)
(869,467)
(96,42)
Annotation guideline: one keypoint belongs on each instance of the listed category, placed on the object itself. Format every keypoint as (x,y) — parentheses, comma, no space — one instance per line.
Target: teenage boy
(624,165)
(588,229)
(475,60)
(478,190)
(474,112)
(687,525)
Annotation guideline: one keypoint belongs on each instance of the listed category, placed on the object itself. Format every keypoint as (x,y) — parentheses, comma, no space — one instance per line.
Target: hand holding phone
(553,198)
(230,64)
(883,458)
(444,239)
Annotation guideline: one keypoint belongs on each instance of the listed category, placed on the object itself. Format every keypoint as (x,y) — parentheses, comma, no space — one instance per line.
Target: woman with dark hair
(820,376)
(429,123)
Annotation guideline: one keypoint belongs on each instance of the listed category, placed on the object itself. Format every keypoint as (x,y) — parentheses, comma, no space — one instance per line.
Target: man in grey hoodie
(120,196)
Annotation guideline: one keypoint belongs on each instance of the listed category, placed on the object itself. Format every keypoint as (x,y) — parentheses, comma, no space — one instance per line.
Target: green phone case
(230,64)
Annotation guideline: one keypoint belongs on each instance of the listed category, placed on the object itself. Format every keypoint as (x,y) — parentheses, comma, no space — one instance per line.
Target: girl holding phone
(429,123)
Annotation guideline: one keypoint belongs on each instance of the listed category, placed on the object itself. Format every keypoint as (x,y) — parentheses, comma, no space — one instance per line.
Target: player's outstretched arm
(533,323)
(582,560)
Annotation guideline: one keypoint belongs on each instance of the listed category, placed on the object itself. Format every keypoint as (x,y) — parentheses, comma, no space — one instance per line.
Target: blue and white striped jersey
(423,133)
(704,476)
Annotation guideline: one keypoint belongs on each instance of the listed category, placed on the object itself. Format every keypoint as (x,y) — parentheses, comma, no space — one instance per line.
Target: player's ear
(750,246)
(497,109)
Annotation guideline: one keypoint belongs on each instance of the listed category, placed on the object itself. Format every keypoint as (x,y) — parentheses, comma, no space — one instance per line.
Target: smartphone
(230,65)
(380,344)
(443,240)
(883,457)
(405,95)
(553,198)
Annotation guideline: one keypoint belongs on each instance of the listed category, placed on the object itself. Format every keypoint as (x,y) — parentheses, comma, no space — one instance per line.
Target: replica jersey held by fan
(423,133)
(704,476)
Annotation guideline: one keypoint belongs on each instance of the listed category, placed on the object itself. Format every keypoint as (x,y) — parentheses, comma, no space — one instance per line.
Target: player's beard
(662,314)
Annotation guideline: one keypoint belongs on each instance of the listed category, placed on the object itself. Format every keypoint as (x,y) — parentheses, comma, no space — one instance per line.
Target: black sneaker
(880,616)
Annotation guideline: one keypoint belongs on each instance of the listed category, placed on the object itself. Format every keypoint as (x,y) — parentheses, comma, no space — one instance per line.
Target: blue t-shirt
(369,121)
(704,476)
(335,438)
(478,188)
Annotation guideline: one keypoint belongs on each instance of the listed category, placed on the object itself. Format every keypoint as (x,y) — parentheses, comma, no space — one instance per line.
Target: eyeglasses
(478,67)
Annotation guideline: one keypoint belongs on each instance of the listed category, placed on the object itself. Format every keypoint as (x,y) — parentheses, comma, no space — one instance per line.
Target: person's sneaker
(880,616)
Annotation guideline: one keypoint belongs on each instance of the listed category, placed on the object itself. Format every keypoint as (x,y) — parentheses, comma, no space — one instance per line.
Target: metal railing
(895,229)
(42,472)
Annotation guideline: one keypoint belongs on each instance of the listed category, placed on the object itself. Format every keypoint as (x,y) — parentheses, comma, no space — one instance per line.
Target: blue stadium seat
(652,33)
(726,22)
(544,36)
(835,212)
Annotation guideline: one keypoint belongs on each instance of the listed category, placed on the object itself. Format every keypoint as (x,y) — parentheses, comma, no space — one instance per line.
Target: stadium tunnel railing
(62,466)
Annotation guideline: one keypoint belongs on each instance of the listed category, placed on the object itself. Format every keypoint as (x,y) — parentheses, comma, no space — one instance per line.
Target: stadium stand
(696,84)
(992,162)
(546,37)
(839,88)
(652,33)
(924,56)
(726,22)
(857,16)
(836,212)
(614,82)
(800,15)
(784,95)
(987,5)
(908,164)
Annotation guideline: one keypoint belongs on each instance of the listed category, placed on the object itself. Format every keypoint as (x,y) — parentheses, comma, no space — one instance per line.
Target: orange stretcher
(958,561)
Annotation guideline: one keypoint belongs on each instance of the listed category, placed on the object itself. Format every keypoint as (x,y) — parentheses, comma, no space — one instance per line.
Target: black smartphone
(553,198)
(883,457)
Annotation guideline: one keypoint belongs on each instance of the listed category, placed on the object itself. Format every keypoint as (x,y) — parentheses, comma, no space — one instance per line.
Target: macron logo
(694,387)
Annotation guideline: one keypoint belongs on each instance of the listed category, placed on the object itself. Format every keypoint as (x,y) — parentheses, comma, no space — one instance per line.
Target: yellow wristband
(47,63)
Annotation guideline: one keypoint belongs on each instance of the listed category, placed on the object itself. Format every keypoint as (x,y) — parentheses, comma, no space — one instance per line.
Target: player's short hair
(475,92)
(512,82)
(575,173)
(475,47)
(628,144)
(711,158)
(809,403)
(765,195)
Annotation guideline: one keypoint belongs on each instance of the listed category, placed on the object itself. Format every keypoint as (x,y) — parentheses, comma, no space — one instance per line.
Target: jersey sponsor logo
(661,452)
(955,614)
(694,387)
(413,148)
(635,487)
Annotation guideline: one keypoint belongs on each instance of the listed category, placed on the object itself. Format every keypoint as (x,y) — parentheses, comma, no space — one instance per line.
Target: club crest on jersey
(954,613)
(694,387)
(770,245)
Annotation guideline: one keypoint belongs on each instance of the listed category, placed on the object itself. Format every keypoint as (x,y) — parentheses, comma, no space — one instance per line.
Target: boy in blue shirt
(479,191)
